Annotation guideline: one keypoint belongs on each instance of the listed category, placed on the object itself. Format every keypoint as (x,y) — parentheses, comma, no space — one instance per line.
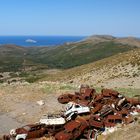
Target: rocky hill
(121,70)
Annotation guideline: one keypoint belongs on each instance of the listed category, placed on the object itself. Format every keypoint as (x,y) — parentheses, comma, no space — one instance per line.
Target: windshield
(68,106)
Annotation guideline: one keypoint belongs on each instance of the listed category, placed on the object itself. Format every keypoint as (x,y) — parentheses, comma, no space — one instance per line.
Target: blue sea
(27,41)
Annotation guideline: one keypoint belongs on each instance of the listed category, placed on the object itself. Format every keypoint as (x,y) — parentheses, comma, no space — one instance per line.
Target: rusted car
(53,122)
(97,108)
(96,122)
(123,112)
(106,110)
(88,94)
(85,93)
(112,120)
(98,98)
(85,97)
(109,93)
(28,132)
(65,98)
(134,101)
(72,130)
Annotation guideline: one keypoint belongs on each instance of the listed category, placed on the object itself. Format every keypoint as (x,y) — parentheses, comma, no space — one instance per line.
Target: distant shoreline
(39,41)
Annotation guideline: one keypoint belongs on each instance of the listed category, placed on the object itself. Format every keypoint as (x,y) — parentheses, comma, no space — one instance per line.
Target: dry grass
(125,64)
(130,132)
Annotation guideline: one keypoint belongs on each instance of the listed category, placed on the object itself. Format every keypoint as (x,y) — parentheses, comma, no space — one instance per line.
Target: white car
(53,119)
(75,109)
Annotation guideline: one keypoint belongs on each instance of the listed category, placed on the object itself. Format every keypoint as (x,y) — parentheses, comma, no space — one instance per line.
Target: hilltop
(132,41)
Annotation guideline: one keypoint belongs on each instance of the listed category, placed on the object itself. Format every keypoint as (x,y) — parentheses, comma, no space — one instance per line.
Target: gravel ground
(18,105)
(7,123)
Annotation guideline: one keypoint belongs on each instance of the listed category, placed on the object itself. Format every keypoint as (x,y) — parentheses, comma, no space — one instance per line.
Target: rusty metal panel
(97,108)
(73,129)
(128,119)
(96,123)
(70,126)
(89,93)
(63,135)
(65,98)
(98,98)
(112,120)
(83,88)
(133,101)
(106,110)
(109,92)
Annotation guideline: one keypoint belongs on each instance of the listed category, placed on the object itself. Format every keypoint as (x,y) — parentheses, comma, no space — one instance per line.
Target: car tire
(74,115)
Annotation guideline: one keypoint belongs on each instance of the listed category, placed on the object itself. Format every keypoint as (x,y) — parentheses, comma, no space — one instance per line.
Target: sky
(70,17)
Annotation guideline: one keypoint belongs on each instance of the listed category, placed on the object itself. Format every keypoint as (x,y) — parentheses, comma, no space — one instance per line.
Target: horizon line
(45,35)
(74,35)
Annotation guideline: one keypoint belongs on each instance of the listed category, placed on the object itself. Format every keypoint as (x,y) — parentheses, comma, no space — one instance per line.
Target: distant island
(30,41)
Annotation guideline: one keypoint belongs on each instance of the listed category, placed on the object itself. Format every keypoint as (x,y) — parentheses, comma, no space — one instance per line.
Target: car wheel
(74,115)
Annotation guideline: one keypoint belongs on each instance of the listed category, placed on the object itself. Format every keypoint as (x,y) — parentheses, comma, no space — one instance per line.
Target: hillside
(76,54)
(68,55)
(121,70)
(11,57)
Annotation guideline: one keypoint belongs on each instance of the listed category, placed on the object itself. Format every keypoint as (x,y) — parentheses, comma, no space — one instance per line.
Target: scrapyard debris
(86,95)
(87,114)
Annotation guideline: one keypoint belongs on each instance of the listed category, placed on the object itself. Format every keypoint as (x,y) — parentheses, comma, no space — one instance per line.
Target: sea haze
(28,41)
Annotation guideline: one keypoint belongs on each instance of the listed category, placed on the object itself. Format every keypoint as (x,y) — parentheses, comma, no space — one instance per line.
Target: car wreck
(72,129)
(73,109)
(52,119)
(26,132)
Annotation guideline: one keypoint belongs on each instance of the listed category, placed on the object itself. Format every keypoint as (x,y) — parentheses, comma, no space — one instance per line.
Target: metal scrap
(86,115)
